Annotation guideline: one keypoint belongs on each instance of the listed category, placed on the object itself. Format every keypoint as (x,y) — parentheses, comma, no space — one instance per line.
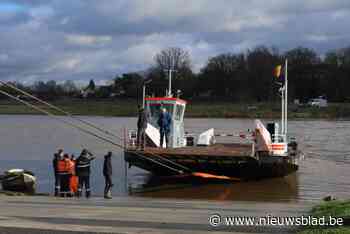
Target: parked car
(318,102)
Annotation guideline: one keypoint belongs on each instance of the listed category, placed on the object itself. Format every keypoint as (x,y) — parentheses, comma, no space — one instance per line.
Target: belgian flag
(277,72)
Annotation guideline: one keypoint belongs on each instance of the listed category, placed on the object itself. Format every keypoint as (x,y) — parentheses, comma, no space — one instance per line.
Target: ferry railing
(241,137)
(279,138)
(253,150)
(131,139)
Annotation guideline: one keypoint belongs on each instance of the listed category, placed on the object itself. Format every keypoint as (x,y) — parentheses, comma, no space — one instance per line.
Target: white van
(318,102)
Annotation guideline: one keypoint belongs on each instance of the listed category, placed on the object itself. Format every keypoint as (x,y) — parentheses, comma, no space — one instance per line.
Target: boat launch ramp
(135,215)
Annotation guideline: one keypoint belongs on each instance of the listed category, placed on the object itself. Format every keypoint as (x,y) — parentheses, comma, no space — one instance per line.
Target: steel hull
(244,167)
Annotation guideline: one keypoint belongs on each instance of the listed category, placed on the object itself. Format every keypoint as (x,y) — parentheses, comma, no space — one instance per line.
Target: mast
(286,98)
(170,71)
(169,88)
(282,116)
(143,95)
(284,101)
(144,83)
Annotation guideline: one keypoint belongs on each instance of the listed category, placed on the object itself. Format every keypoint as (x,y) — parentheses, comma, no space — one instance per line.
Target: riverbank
(335,209)
(136,215)
(124,107)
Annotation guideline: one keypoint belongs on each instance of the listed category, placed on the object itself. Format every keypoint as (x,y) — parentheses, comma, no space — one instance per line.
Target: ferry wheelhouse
(176,108)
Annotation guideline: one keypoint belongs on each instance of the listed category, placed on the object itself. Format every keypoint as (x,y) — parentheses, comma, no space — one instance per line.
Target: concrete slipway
(42,214)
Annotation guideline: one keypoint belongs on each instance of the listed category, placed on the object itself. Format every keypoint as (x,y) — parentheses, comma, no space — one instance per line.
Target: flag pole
(282,117)
(286,98)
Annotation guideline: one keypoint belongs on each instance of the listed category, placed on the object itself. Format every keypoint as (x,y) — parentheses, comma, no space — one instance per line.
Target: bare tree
(173,58)
(69,87)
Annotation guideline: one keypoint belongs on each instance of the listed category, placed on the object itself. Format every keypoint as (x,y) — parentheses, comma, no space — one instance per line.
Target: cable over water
(81,120)
(62,111)
(103,139)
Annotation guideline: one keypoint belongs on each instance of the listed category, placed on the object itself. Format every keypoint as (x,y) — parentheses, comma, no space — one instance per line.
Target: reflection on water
(281,189)
(29,142)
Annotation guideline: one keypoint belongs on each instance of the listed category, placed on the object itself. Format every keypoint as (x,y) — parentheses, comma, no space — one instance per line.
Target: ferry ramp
(135,215)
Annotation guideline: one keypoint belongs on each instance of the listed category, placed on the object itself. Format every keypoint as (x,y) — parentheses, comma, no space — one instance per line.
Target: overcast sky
(85,39)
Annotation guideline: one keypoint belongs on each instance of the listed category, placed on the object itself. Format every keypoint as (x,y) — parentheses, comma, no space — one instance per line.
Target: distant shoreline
(197,109)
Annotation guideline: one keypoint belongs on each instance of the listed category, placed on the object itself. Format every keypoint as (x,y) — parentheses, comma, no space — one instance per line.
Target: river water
(29,142)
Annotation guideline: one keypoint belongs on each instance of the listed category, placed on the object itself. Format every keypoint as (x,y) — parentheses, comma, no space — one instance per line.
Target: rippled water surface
(30,141)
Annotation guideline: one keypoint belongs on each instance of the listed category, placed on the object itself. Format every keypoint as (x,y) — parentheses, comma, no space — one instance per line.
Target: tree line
(248,77)
(236,77)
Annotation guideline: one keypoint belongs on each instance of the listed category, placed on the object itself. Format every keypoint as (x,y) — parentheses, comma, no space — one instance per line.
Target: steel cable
(84,130)
(81,120)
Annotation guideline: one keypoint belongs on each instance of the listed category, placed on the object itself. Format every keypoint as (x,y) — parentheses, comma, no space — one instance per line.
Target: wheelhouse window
(154,110)
(179,112)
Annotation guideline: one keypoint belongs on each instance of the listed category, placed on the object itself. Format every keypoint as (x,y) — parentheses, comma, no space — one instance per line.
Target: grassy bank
(266,110)
(334,209)
(76,107)
(194,109)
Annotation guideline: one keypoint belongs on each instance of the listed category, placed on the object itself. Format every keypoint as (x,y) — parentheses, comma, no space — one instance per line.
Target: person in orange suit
(73,183)
(65,169)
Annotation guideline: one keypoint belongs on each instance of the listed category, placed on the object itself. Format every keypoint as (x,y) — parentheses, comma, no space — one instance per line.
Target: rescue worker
(65,168)
(141,128)
(164,123)
(56,157)
(107,173)
(73,183)
(82,170)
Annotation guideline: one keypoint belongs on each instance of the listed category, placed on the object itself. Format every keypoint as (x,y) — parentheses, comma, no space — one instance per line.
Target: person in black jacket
(82,169)
(56,157)
(107,173)
(141,127)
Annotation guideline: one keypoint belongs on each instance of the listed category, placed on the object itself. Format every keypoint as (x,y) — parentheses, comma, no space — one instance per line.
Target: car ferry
(267,153)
